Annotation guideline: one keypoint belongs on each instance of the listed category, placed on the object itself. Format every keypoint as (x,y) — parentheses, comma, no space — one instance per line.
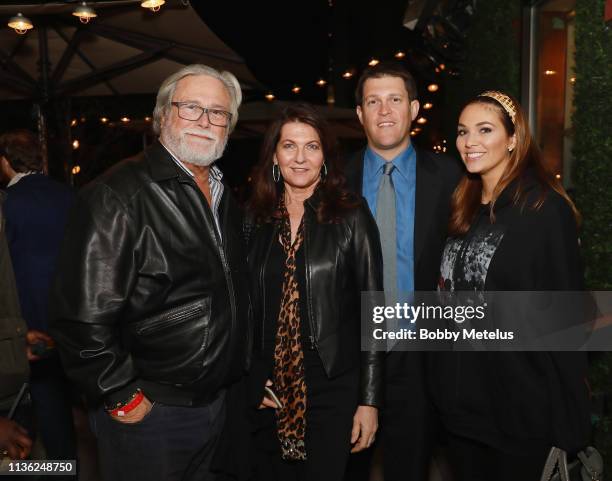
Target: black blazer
(437,176)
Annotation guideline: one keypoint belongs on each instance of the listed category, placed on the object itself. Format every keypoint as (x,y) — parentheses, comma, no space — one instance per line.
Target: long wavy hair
(334,198)
(467,196)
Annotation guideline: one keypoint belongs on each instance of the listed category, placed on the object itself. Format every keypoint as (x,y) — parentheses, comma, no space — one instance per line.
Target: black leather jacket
(341,260)
(147,294)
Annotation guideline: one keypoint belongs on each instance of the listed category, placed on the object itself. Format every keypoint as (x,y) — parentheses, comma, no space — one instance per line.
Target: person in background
(314,249)
(15,441)
(36,211)
(151,303)
(512,228)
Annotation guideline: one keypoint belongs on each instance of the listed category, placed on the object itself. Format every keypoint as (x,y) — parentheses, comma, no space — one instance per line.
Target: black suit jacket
(437,176)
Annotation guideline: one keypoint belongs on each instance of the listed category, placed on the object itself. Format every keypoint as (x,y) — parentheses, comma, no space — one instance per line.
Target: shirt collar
(402,162)
(17,177)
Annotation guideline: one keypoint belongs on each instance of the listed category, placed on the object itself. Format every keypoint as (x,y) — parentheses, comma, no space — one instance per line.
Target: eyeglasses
(193,112)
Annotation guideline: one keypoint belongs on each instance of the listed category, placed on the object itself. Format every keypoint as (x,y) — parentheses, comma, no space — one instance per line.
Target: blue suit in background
(36,211)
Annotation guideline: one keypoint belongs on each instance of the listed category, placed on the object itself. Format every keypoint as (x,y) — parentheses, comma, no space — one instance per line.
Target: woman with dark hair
(512,228)
(313,250)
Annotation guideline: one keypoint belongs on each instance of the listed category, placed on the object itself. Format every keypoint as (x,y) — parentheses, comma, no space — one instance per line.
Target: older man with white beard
(150,306)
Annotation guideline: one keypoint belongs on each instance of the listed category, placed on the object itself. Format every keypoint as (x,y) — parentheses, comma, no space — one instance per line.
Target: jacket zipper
(262,286)
(313,341)
(228,276)
(170,318)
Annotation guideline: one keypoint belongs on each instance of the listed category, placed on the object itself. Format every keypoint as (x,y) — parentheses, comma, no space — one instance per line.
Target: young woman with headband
(512,228)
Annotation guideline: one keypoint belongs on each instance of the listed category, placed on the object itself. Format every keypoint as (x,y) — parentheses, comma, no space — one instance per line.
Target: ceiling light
(153,5)
(20,24)
(270,96)
(296,89)
(348,74)
(321,82)
(373,62)
(84,13)
(400,54)
(427,105)
(433,87)
(421,120)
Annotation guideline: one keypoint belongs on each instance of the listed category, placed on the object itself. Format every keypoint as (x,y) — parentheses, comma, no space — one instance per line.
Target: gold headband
(505,101)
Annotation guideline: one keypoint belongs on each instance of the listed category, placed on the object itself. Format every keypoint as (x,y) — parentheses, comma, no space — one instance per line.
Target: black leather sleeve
(94,278)
(367,262)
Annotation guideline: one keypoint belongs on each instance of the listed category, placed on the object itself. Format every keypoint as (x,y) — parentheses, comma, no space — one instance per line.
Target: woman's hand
(266,402)
(365,425)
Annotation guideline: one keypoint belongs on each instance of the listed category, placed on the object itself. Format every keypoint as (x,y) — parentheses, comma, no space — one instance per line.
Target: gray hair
(166,92)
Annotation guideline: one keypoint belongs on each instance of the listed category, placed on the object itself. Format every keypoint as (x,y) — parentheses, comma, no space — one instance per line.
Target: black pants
(330,406)
(474,461)
(171,443)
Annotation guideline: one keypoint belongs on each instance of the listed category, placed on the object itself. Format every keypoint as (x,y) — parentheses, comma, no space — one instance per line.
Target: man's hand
(365,425)
(33,337)
(135,415)
(14,439)
(266,402)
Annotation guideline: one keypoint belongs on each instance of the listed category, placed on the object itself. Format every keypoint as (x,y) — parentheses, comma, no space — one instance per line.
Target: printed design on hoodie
(466,259)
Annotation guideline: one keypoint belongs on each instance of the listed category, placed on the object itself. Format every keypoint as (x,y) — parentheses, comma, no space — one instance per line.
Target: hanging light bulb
(373,62)
(84,13)
(270,97)
(400,54)
(153,5)
(321,82)
(20,24)
(296,89)
(427,105)
(433,87)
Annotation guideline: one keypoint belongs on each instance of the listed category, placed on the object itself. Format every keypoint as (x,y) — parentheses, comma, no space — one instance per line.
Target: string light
(321,82)
(550,72)
(373,62)
(84,12)
(75,144)
(421,120)
(400,54)
(270,96)
(347,75)
(20,24)
(296,89)
(76,169)
(103,120)
(147,119)
(125,120)
(73,122)
(433,87)
(427,105)
(153,5)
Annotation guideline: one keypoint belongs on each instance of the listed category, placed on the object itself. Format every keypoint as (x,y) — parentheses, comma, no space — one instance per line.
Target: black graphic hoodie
(514,401)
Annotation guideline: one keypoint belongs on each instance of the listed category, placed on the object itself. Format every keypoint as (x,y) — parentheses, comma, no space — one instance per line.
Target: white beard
(182,151)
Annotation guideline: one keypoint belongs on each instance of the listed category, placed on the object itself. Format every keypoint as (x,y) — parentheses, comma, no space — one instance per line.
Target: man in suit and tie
(408,191)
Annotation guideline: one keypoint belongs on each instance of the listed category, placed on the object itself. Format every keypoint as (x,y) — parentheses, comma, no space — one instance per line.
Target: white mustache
(203,133)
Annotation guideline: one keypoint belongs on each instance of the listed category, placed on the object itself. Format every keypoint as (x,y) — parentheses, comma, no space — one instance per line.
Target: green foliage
(593,178)
(593,140)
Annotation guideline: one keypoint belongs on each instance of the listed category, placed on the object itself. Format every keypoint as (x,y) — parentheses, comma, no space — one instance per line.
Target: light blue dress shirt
(404,182)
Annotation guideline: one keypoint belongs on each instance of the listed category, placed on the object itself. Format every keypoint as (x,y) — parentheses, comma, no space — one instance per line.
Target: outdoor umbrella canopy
(126,49)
